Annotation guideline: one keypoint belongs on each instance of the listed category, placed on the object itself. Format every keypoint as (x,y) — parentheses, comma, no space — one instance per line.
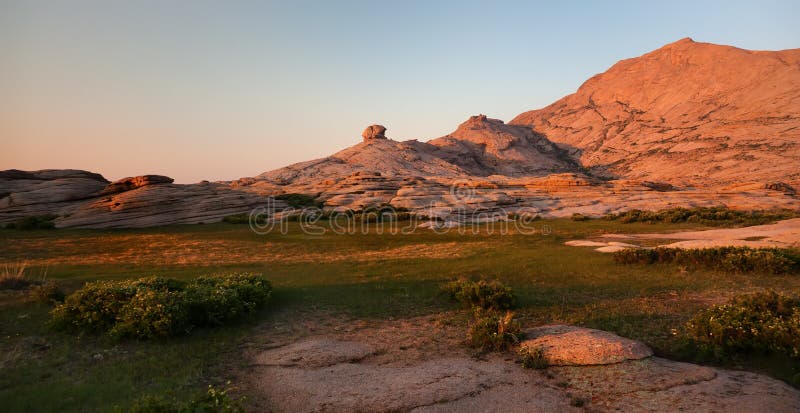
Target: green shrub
(151,313)
(764,322)
(215,400)
(95,306)
(46,293)
(734,259)
(243,219)
(212,401)
(579,217)
(34,222)
(493,331)
(155,307)
(237,219)
(301,201)
(482,294)
(711,216)
(532,358)
(214,301)
(152,404)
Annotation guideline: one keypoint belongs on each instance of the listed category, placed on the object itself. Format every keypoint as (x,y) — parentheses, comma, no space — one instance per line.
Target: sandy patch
(782,234)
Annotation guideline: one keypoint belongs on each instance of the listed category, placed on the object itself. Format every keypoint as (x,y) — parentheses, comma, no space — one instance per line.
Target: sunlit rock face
(688,113)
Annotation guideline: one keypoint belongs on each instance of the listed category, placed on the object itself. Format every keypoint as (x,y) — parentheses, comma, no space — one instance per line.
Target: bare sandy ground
(782,234)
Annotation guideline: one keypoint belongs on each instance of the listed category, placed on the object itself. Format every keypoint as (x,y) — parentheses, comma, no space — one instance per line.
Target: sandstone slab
(564,345)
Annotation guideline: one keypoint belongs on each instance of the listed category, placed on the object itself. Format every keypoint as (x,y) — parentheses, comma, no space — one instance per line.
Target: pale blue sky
(220,90)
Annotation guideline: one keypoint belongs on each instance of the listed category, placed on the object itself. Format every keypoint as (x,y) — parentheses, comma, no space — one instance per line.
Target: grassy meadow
(358,276)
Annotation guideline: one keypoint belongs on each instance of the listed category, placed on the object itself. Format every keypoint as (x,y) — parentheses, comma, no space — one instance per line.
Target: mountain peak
(694,113)
(684,41)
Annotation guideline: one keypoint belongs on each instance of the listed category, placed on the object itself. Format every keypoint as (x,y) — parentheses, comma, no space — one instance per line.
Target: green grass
(362,276)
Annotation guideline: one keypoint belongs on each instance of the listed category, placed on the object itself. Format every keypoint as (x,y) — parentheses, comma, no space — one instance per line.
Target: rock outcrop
(127,184)
(49,191)
(87,200)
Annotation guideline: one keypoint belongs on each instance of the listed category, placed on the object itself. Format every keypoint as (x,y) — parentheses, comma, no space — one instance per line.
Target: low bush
(532,358)
(33,222)
(237,219)
(764,322)
(244,219)
(579,217)
(711,216)
(300,201)
(482,294)
(734,259)
(46,293)
(160,307)
(212,401)
(493,331)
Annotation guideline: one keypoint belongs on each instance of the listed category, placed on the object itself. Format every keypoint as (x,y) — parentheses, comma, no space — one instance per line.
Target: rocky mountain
(688,113)
(690,124)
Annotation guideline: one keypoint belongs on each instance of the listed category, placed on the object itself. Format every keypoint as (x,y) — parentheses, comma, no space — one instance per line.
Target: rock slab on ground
(333,372)
(563,345)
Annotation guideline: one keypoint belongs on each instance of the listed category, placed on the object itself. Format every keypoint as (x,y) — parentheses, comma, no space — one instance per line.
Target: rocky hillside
(693,113)
(478,147)
(690,124)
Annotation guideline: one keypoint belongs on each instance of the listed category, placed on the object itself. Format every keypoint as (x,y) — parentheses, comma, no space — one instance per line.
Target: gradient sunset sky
(225,89)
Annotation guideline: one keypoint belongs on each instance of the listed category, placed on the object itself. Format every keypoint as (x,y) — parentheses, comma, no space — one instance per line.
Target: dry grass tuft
(12,277)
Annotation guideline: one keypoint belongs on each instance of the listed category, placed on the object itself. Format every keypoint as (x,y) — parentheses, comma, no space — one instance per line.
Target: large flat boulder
(563,345)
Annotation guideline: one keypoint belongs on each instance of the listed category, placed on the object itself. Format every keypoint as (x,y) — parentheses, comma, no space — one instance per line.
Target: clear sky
(225,89)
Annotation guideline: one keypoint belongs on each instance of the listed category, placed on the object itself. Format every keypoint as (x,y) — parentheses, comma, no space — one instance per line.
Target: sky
(220,90)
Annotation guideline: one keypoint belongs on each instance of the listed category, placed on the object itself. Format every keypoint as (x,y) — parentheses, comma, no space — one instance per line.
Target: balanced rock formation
(688,113)
(374,132)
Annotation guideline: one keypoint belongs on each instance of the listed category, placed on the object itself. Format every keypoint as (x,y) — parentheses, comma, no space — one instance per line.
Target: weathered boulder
(374,132)
(564,345)
(127,184)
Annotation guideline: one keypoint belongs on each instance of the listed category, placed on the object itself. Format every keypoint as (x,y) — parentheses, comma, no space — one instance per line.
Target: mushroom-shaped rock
(374,132)
(127,184)
(563,345)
